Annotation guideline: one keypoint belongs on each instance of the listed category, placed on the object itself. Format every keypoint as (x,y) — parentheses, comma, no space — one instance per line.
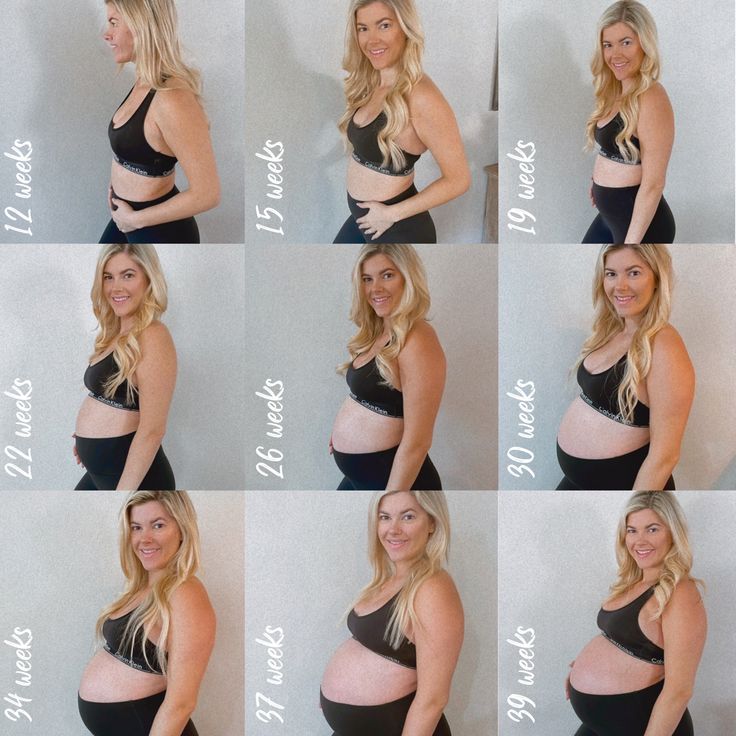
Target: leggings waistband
(150,202)
(410,191)
(370,471)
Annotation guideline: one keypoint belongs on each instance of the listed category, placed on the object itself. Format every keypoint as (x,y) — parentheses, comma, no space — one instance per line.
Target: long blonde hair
(608,323)
(403,616)
(677,562)
(158,56)
(608,90)
(413,306)
(126,348)
(155,608)
(363,79)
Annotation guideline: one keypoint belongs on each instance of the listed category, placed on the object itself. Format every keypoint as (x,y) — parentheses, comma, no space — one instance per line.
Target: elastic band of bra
(135,168)
(616,417)
(373,407)
(380,169)
(111,402)
(617,159)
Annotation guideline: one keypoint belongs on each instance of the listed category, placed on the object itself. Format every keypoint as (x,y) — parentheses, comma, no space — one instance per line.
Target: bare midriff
(358,429)
(604,669)
(357,676)
(96,419)
(366,185)
(607,173)
(586,433)
(108,680)
(136,188)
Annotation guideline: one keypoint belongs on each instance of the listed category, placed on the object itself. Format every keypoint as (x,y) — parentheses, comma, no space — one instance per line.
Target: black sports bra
(98,374)
(621,627)
(130,147)
(112,631)
(605,137)
(364,139)
(600,390)
(369,630)
(368,389)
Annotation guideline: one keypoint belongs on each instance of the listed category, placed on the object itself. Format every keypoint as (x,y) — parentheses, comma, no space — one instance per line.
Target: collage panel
(65,106)
(302,667)
(680,430)
(182,311)
(62,577)
(559,556)
(297,58)
(666,129)
(302,410)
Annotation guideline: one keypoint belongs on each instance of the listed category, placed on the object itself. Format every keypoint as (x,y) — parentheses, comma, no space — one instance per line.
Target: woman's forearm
(645,205)
(667,713)
(185,204)
(423,716)
(140,456)
(654,472)
(439,192)
(407,463)
(171,719)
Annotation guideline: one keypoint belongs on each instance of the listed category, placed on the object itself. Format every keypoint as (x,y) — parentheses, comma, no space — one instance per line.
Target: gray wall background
(546,94)
(294,83)
(297,332)
(546,314)
(556,561)
(61,567)
(309,600)
(47,330)
(60,87)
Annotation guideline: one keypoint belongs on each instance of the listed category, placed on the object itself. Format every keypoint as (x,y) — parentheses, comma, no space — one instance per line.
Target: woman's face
(379,35)
(124,285)
(118,36)
(154,536)
(622,51)
(648,539)
(383,284)
(404,528)
(629,283)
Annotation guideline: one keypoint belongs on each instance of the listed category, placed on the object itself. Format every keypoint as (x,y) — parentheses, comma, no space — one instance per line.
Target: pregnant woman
(625,429)
(636,678)
(394,113)
(130,376)
(396,375)
(159,634)
(160,122)
(634,127)
(393,677)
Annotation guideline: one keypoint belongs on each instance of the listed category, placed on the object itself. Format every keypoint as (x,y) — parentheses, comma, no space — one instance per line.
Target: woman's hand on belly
(378,219)
(124,216)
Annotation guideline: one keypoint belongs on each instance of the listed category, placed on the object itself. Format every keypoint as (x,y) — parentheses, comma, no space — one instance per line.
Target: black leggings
(386,719)
(607,474)
(370,471)
(178,231)
(615,207)
(625,714)
(104,460)
(418,228)
(129,718)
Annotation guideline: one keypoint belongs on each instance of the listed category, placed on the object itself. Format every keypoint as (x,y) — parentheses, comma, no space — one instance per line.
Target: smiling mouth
(148,552)
(623,300)
(120,299)
(643,553)
(377,52)
(395,544)
(379,300)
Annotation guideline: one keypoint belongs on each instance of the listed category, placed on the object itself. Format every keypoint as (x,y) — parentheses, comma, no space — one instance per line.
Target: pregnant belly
(358,676)
(603,669)
(96,420)
(586,433)
(108,680)
(357,429)
(607,173)
(364,184)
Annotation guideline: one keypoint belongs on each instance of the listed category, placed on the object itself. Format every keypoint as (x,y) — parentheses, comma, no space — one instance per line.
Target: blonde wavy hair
(155,609)
(158,56)
(413,306)
(126,348)
(403,616)
(608,323)
(608,90)
(677,562)
(363,79)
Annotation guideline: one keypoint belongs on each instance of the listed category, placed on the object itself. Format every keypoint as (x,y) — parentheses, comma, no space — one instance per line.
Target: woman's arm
(438,639)
(183,126)
(656,132)
(422,372)
(155,378)
(435,125)
(684,627)
(670,386)
(190,642)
